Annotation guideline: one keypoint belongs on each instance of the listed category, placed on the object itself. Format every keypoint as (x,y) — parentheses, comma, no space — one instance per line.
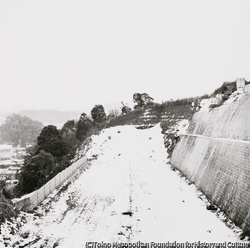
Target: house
(20,152)
(7,154)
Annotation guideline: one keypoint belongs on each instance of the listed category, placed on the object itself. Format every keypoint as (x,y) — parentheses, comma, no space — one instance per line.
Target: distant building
(20,152)
(11,161)
(11,173)
(7,154)
(242,85)
(240,82)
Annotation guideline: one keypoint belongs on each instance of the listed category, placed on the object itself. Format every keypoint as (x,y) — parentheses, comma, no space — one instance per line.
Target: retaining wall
(219,163)
(227,121)
(30,201)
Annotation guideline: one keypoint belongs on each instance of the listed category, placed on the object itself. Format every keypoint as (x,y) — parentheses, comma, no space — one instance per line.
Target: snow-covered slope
(128,194)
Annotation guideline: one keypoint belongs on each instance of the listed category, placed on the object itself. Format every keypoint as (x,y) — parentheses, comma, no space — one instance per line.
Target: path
(130,194)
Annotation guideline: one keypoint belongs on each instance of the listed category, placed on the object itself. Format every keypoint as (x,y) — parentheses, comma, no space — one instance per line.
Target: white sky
(62,54)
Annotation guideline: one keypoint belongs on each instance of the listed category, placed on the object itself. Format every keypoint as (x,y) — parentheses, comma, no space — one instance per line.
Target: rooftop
(5,147)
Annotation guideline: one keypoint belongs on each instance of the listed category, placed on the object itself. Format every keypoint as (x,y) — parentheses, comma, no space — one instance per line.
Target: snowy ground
(205,103)
(128,194)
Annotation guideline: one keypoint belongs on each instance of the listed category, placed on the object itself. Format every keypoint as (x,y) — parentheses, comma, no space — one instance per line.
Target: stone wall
(215,155)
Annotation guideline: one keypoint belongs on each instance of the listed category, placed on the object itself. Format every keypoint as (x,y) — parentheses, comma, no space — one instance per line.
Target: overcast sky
(70,54)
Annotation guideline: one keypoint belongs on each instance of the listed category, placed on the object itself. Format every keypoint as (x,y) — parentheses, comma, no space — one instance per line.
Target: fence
(30,201)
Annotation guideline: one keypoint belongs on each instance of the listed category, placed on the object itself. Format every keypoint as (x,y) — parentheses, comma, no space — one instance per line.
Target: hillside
(53,117)
(155,113)
(127,192)
(127,162)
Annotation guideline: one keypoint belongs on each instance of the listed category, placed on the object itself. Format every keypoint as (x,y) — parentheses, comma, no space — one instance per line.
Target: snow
(128,194)
(205,103)
(236,95)
(182,126)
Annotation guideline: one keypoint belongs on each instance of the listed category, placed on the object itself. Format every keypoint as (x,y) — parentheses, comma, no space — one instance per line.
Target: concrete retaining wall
(218,162)
(228,121)
(30,201)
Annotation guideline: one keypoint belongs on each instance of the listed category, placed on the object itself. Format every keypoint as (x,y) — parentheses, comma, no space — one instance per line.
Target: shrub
(158,106)
(142,99)
(7,210)
(226,88)
(215,105)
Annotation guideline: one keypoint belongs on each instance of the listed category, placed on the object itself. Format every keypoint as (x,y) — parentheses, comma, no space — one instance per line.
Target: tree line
(55,149)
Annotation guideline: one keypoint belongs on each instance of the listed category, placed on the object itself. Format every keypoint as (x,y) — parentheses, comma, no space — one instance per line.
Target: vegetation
(125,109)
(57,148)
(7,209)
(36,171)
(82,126)
(68,133)
(227,88)
(43,162)
(142,100)
(50,140)
(98,114)
(214,105)
(184,101)
(19,128)
(54,151)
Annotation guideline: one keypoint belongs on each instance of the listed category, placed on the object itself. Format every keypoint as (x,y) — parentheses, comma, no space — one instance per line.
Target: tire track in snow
(129,194)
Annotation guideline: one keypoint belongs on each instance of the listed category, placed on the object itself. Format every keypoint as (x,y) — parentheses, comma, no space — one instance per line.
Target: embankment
(215,155)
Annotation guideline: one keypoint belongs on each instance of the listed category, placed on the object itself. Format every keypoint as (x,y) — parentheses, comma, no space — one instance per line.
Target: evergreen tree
(36,171)
(98,114)
(69,126)
(50,140)
(82,127)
